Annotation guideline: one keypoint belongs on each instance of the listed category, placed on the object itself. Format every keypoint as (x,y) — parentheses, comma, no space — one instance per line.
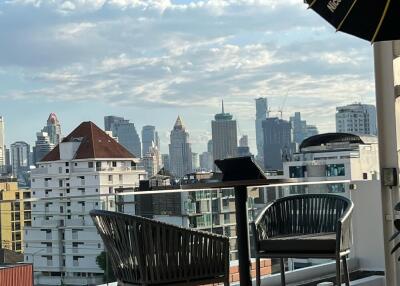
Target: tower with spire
(224,135)
(180,151)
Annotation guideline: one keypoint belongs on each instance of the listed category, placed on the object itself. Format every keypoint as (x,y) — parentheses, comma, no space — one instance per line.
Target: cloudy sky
(150,60)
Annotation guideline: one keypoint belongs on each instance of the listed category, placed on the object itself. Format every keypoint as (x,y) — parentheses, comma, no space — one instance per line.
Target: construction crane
(281,108)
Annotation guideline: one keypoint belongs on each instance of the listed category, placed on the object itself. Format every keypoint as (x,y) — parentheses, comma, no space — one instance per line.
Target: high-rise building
(278,144)
(243,148)
(224,135)
(356,118)
(42,146)
(149,138)
(126,133)
(15,214)
(53,129)
(312,130)
(2,144)
(180,151)
(261,114)
(20,162)
(300,128)
(195,161)
(210,146)
(206,162)
(86,162)
(165,162)
(152,161)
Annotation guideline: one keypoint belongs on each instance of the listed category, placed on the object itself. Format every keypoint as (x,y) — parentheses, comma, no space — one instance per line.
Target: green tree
(101,261)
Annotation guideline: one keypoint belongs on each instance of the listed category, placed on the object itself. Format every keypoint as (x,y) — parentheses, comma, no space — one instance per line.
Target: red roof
(95,143)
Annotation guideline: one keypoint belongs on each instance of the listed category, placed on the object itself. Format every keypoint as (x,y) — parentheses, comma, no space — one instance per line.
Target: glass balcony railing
(65,223)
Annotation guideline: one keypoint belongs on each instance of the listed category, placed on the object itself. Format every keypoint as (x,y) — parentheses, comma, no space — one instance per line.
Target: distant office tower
(261,114)
(243,149)
(180,152)
(206,162)
(152,161)
(195,161)
(165,161)
(278,145)
(244,141)
(2,144)
(149,138)
(126,133)
(356,118)
(20,159)
(312,130)
(210,146)
(42,146)
(53,129)
(224,135)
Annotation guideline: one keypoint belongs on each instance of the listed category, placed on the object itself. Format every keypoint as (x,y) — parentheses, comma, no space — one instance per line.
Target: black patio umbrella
(372,20)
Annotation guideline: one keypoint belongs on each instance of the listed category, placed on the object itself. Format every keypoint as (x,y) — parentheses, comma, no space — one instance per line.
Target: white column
(387,138)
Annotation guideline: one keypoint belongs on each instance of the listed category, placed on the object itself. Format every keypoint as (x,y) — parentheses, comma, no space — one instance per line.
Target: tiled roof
(95,143)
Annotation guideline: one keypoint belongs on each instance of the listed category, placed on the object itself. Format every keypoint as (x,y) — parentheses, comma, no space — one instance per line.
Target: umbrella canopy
(372,20)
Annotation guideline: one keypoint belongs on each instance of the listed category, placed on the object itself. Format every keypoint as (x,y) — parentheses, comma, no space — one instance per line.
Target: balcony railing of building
(211,210)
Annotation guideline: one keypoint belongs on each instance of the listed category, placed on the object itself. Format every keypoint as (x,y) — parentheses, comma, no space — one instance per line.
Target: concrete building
(261,115)
(63,242)
(2,144)
(126,133)
(356,118)
(42,146)
(224,136)
(312,130)
(278,144)
(20,153)
(149,138)
(333,156)
(180,150)
(195,161)
(53,129)
(14,215)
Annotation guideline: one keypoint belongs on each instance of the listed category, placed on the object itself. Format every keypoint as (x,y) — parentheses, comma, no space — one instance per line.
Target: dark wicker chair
(304,226)
(148,252)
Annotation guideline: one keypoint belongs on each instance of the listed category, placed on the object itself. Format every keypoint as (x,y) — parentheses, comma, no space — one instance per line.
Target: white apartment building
(356,118)
(62,242)
(335,156)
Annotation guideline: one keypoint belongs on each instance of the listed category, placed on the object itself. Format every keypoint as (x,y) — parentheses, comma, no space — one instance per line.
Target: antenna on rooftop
(223,106)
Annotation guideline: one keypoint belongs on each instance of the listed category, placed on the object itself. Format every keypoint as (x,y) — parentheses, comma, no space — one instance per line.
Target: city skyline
(120,57)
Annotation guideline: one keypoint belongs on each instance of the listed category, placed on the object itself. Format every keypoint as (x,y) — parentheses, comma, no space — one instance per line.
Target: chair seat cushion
(298,243)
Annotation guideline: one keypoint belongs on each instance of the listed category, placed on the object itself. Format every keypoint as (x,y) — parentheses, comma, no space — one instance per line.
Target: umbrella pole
(387,139)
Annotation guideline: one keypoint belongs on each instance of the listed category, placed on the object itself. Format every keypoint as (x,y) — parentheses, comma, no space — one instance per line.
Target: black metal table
(242,222)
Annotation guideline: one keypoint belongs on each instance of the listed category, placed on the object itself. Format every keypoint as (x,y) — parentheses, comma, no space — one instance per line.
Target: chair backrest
(144,251)
(304,214)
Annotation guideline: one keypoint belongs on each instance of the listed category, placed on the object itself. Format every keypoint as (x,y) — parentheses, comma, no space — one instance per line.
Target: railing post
(242,231)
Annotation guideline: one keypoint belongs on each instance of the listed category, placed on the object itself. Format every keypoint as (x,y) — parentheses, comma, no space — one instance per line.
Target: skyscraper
(356,118)
(126,133)
(300,128)
(2,144)
(152,161)
(42,146)
(278,145)
(224,135)
(243,149)
(261,114)
(165,161)
(53,129)
(20,159)
(149,138)
(180,152)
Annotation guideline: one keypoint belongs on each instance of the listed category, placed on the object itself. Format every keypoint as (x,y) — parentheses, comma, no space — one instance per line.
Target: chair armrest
(344,239)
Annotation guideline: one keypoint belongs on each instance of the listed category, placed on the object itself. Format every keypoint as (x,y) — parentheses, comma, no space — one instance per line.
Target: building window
(67,171)
(110,178)
(90,164)
(297,171)
(75,164)
(335,170)
(114,164)
(66,164)
(365,176)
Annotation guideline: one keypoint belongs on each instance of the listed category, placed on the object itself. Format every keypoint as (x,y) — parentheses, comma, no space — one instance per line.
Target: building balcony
(365,261)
